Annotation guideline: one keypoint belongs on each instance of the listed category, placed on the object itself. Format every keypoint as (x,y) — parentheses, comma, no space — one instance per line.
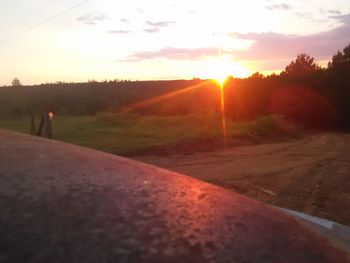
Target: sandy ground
(311,175)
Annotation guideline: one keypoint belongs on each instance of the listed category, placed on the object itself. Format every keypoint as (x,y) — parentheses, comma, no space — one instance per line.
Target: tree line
(303,92)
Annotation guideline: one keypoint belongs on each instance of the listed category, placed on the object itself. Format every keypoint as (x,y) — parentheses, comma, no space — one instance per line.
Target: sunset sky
(66,40)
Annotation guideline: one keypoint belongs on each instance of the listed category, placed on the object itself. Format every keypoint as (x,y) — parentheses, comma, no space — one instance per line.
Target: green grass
(126,132)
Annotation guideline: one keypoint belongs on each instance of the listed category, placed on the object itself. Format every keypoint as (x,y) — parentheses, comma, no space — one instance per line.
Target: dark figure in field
(46,118)
(32,124)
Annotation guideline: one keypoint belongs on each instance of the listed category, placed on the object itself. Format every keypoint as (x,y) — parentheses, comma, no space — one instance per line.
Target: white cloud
(282,6)
(92,19)
(176,54)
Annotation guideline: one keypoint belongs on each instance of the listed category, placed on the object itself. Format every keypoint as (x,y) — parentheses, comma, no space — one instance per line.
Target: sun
(220,79)
(220,69)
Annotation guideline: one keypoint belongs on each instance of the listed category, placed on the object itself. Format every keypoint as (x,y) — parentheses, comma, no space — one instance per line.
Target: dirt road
(311,175)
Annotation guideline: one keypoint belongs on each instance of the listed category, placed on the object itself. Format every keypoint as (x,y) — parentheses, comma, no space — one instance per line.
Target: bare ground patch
(311,175)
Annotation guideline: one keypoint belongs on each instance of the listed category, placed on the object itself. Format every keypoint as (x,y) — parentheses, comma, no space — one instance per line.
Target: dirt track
(311,175)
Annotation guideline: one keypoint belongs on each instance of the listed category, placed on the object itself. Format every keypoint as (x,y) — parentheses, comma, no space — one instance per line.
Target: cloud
(92,19)
(141,11)
(176,54)
(334,12)
(268,51)
(151,30)
(343,19)
(283,6)
(306,15)
(156,26)
(160,23)
(312,17)
(124,20)
(276,47)
(101,17)
(119,31)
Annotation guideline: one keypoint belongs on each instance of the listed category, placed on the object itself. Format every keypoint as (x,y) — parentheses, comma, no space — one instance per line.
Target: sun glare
(221,80)
(223,117)
(219,69)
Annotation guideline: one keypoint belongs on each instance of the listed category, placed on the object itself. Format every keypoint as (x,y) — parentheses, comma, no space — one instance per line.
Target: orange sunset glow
(83,40)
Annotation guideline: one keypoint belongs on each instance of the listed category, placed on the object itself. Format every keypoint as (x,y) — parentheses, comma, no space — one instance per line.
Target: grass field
(126,132)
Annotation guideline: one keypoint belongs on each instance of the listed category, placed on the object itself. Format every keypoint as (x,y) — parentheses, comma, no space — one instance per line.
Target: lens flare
(164,96)
(220,83)
(223,118)
(50,114)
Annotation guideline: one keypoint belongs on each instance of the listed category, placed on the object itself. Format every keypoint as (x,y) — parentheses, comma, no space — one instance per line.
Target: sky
(74,40)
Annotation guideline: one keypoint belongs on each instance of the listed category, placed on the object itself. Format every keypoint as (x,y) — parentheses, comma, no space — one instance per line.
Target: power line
(16,21)
(42,22)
